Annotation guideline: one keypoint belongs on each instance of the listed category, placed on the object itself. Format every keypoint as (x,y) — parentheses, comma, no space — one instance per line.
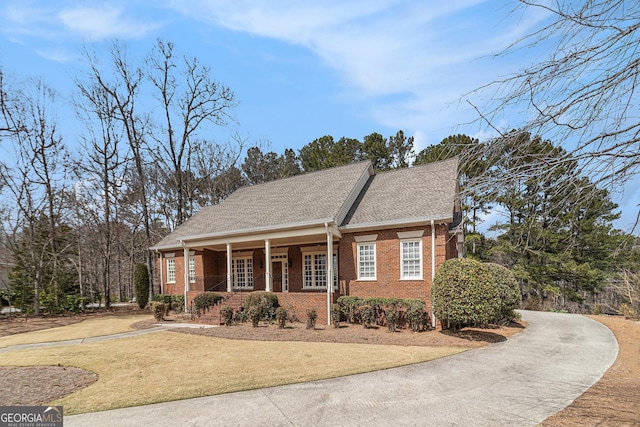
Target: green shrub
(141,284)
(391,315)
(312,316)
(417,317)
(204,301)
(226,315)
(254,315)
(158,309)
(510,295)
(77,303)
(336,314)
(240,316)
(281,317)
(267,302)
(350,306)
(465,293)
(367,315)
(174,302)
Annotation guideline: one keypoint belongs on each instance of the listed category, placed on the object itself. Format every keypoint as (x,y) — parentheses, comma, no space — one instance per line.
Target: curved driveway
(519,382)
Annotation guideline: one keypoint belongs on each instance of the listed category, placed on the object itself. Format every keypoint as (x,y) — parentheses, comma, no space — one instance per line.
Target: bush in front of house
(267,302)
(510,295)
(226,315)
(336,314)
(159,310)
(391,317)
(312,316)
(281,317)
(465,293)
(204,301)
(174,302)
(141,284)
(417,316)
(349,305)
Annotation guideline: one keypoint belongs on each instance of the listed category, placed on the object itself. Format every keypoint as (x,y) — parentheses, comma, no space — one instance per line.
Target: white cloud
(411,60)
(97,23)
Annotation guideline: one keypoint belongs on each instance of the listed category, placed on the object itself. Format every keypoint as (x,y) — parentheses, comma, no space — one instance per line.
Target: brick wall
(388,283)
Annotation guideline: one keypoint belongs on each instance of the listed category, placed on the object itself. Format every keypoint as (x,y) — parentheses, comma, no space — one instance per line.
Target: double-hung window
(366,261)
(192,268)
(411,259)
(171,270)
(315,270)
(242,271)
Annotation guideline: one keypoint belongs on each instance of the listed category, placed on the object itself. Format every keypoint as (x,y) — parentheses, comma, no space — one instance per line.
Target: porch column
(185,254)
(329,271)
(161,272)
(267,261)
(229,277)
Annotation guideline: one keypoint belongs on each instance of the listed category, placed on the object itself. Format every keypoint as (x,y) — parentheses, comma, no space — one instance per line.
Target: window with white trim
(192,268)
(366,261)
(411,259)
(315,270)
(242,271)
(171,270)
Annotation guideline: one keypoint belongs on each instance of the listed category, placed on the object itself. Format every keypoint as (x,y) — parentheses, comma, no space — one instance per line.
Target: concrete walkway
(156,328)
(519,382)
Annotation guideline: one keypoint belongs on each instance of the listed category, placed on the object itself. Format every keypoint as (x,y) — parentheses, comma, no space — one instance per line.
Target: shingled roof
(351,197)
(420,193)
(312,198)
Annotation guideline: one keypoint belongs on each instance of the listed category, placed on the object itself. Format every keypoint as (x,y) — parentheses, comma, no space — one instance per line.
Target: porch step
(213,317)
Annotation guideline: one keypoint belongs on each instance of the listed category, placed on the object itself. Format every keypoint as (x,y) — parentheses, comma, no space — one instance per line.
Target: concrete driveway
(519,382)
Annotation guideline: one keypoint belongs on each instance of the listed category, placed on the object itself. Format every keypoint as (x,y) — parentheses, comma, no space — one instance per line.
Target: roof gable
(403,195)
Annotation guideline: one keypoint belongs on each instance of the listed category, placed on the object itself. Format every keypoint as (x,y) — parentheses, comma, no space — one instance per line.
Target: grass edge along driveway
(167,366)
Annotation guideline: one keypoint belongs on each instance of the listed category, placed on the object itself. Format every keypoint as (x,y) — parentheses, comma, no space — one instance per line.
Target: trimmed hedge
(390,312)
(175,302)
(465,293)
(267,303)
(510,294)
(204,301)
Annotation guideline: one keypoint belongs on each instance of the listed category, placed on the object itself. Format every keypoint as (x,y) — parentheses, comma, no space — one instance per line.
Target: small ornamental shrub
(367,315)
(510,295)
(240,316)
(158,309)
(417,317)
(254,315)
(465,293)
(141,284)
(204,301)
(267,303)
(392,316)
(226,315)
(336,315)
(312,316)
(350,306)
(173,302)
(281,317)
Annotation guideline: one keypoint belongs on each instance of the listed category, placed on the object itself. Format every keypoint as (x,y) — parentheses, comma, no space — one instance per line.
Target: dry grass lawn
(93,327)
(166,366)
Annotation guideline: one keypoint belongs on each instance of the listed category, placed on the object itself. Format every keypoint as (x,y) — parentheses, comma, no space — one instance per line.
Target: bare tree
(189,99)
(35,181)
(584,94)
(123,90)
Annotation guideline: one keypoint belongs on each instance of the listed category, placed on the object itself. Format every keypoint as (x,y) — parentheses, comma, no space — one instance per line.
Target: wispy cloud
(410,59)
(98,23)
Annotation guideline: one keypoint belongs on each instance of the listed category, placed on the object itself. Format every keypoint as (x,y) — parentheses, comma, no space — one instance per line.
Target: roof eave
(396,223)
(244,232)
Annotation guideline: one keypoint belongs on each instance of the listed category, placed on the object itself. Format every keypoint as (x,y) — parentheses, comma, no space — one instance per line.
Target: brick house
(385,234)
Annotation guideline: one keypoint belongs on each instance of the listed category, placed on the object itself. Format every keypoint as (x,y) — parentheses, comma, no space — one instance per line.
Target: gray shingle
(317,196)
(426,191)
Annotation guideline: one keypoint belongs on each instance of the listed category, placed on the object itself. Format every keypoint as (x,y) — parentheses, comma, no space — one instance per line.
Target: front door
(276,273)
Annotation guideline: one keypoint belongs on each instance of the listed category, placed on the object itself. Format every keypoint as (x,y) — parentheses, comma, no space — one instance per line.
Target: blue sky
(301,70)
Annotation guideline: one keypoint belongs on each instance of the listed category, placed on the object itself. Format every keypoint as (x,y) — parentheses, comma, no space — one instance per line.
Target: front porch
(291,263)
